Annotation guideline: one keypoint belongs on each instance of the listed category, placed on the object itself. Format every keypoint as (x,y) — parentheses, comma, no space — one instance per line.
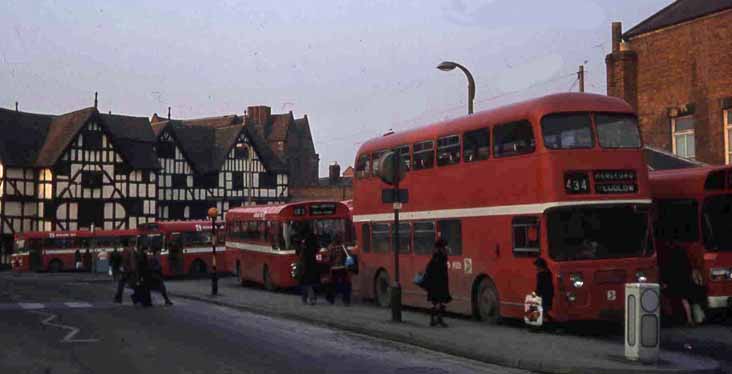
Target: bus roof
(535,108)
(288,211)
(73,234)
(691,182)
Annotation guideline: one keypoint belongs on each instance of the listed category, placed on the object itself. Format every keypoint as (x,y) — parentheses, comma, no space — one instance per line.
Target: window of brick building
(682,129)
(728,136)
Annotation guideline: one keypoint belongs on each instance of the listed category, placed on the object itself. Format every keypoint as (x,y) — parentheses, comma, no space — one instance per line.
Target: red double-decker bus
(560,177)
(55,251)
(261,239)
(694,213)
(186,247)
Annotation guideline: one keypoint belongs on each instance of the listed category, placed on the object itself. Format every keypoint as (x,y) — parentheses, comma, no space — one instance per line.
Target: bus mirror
(533,233)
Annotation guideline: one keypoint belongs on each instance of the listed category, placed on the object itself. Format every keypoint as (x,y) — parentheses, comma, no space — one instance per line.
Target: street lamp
(447,66)
(213,213)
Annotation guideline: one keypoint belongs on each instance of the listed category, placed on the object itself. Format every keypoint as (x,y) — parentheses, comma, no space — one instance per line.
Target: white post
(642,322)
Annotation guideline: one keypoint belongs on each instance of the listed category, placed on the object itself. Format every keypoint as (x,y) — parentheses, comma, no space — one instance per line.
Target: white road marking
(69,338)
(31,306)
(75,304)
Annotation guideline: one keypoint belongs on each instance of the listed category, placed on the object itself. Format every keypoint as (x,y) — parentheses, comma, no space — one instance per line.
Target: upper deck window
(363,166)
(424,155)
(375,160)
(403,152)
(513,138)
(618,131)
(477,145)
(567,131)
(448,150)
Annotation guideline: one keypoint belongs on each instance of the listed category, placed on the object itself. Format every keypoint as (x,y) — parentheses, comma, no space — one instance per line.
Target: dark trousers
(339,284)
(121,282)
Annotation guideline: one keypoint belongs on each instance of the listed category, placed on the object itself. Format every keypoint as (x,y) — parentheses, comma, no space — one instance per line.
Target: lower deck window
(380,237)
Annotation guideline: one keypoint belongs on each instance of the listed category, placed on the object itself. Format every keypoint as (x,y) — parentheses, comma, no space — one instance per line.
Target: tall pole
(581,78)
(396,290)
(212,213)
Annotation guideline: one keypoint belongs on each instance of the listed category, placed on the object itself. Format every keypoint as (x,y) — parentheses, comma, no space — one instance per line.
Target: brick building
(336,186)
(674,69)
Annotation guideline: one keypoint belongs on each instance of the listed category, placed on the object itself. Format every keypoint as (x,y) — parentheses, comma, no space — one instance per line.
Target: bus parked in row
(261,241)
(560,177)
(55,251)
(186,247)
(694,214)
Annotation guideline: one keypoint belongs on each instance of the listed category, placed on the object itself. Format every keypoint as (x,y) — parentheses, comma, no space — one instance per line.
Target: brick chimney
(334,173)
(622,68)
(260,114)
(617,34)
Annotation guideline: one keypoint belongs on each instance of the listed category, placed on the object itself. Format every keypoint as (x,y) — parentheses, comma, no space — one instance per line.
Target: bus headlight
(718,274)
(571,297)
(641,277)
(576,280)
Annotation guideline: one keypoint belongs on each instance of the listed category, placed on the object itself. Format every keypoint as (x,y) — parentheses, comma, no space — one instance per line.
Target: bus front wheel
(486,302)
(382,289)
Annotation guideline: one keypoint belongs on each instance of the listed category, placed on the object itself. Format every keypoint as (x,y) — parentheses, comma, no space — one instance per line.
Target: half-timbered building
(214,162)
(78,170)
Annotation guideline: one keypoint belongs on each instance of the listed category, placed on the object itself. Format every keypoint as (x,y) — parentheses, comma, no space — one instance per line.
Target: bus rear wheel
(55,266)
(486,302)
(382,290)
(267,279)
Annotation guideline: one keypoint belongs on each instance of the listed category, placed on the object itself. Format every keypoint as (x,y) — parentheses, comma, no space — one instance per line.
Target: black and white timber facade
(86,169)
(214,162)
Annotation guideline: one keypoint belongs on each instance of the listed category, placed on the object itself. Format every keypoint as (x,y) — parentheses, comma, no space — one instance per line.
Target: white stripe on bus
(503,210)
(258,248)
(202,250)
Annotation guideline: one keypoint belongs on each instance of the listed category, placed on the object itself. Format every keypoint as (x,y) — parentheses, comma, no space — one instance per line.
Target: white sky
(356,68)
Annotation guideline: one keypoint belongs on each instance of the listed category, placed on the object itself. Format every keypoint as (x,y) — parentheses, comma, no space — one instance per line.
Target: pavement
(506,345)
(55,324)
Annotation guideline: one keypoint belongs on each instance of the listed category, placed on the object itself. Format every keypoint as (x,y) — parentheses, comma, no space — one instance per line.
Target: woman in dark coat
(676,276)
(544,285)
(310,274)
(436,283)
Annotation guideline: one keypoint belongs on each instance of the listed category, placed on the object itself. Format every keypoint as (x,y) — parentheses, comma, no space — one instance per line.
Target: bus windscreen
(587,233)
(618,131)
(717,223)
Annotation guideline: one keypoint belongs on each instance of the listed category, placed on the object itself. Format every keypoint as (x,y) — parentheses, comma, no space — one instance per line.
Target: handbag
(419,279)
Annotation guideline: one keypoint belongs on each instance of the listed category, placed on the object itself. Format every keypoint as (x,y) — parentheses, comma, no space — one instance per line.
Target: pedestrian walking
(435,281)
(681,285)
(115,261)
(128,272)
(544,287)
(87,259)
(340,277)
(77,260)
(157,282)
(309,273)
(141,293)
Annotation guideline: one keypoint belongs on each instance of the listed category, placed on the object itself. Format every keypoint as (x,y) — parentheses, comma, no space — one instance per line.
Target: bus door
(175,253)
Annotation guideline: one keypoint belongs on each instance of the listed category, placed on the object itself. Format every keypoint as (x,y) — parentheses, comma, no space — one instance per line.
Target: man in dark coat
(142,288)
(129,272)
(310,274)
(158,283)
(436,283)
(544,285)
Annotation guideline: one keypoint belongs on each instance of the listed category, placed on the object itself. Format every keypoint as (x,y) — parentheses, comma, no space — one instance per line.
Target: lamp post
(213,213)
(449,65)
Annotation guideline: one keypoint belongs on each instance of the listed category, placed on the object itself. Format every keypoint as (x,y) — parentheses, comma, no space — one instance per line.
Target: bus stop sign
(391,171)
